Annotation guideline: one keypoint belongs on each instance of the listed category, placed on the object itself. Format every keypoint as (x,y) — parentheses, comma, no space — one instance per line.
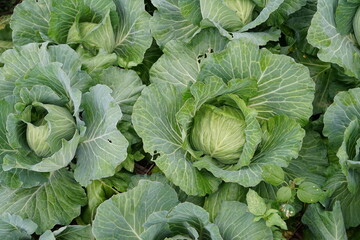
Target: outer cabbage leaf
(325,224)
(226,192)
(312,161)
(333,46)
(169,16)
(337,187)
(58,201)
(287,8)
(30,21)
(126,86)
(236,222)
(125,214)
(103,147)
(180,63)
(14,227)
(71,232)
(186,219)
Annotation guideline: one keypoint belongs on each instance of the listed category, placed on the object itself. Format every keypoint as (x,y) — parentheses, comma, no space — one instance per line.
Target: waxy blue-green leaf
(333,46)
(236,222)
(346,107)
(226,192)
(168,22)
(57,201)
(186,219)
(38,62)
(30,21)
(180,63)
(223,17)
(312,161)
(348,153)
(126,88)
(337,188)
(125,214)
(325,225)
(71,232)
(14,227)
(102,147)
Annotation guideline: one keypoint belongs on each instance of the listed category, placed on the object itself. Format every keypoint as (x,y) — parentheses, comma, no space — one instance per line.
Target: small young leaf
(276,220)
(255,203)
(273,174)
(310,193)
(283,194)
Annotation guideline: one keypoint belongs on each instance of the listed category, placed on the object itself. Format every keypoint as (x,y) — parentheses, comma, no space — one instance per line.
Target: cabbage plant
(241,115)
(234,19)
(58,132)
(132,215)
(105,33)
(341,126)
(335,31)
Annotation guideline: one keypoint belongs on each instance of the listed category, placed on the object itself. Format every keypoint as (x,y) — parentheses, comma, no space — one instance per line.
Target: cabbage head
(219,132)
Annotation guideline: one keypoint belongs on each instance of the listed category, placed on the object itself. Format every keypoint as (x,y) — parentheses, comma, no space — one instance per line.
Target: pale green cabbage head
(219,132)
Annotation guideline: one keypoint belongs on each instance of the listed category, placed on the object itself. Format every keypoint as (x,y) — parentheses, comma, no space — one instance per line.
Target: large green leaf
(180,63)
(284,87)
(225,18)
(56,202)
(346,107)
(350,202)
(34,61)
(187,219)
(72,232)
(133,34)
(103,147)
(64,14)
(154,119)
(125,214)
(329,80)
(169,23)
(333,47)
(286,8)
(226,192)
(312,161)
(236,222)
(14,227)
(126,87)
(325,225)
(30,21)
